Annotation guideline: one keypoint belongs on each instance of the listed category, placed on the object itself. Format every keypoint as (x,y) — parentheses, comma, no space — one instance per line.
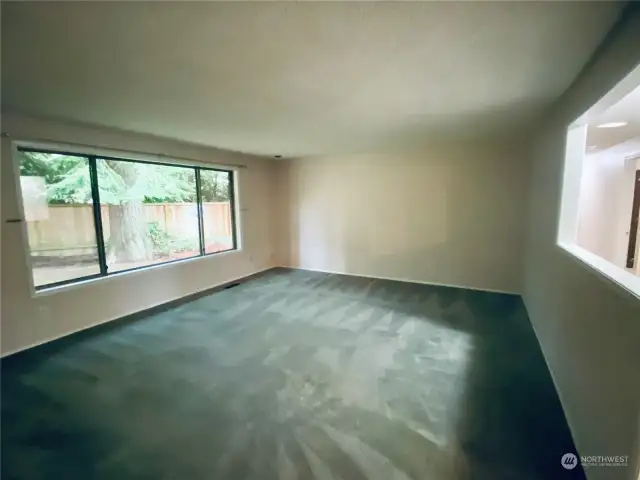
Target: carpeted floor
(292,375)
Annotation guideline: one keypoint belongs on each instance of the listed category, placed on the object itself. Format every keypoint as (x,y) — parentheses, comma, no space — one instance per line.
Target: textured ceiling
(297,78)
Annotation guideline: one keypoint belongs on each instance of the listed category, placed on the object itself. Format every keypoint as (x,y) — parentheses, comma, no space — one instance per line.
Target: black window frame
(92,160)
(232,203)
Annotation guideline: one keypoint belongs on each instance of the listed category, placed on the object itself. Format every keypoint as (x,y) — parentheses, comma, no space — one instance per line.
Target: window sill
(127,273)
(610,273)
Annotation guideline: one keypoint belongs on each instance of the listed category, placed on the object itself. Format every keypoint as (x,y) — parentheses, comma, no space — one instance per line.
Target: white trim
(611,274)
(569,208)
(51,339)
(407,280)
(575,144)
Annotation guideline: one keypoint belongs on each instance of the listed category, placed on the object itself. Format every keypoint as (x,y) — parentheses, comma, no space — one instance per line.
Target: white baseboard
(87,327)
(35,344)
(398,279)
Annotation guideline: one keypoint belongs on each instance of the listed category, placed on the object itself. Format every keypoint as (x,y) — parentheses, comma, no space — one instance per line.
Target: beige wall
(589,329)
(448,215)
(27,320)
(606,197)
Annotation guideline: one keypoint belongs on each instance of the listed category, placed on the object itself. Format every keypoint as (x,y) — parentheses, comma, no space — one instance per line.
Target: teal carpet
(292,375)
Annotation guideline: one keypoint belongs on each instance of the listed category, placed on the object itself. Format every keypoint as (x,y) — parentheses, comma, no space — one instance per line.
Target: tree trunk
(128,240)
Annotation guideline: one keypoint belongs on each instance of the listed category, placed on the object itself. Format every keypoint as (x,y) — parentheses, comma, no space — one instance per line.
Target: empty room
(320,240)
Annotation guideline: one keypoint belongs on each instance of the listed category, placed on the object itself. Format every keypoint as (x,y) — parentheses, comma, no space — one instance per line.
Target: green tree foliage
(67,180)
(66,177)
(214,186)
(152,183)
(125,187)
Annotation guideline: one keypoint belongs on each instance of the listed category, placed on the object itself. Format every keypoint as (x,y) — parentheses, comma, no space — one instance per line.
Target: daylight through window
(90,216)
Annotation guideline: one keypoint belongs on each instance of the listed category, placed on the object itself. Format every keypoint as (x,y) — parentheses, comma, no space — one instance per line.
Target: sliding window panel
(149,213)
(216,189)
(58,210)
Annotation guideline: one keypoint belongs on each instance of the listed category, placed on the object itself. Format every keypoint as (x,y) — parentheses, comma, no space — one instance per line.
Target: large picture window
(90,216)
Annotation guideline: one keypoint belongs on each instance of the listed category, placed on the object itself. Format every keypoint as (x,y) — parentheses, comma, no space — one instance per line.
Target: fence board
(69,229)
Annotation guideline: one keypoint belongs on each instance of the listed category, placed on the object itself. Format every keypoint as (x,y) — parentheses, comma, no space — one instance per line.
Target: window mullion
(97,216)
(200,211)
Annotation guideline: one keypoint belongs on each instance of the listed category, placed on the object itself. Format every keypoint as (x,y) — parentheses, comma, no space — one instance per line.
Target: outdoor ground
(46,275)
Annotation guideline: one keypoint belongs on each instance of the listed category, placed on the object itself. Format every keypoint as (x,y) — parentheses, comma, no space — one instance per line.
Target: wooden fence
(69,229)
